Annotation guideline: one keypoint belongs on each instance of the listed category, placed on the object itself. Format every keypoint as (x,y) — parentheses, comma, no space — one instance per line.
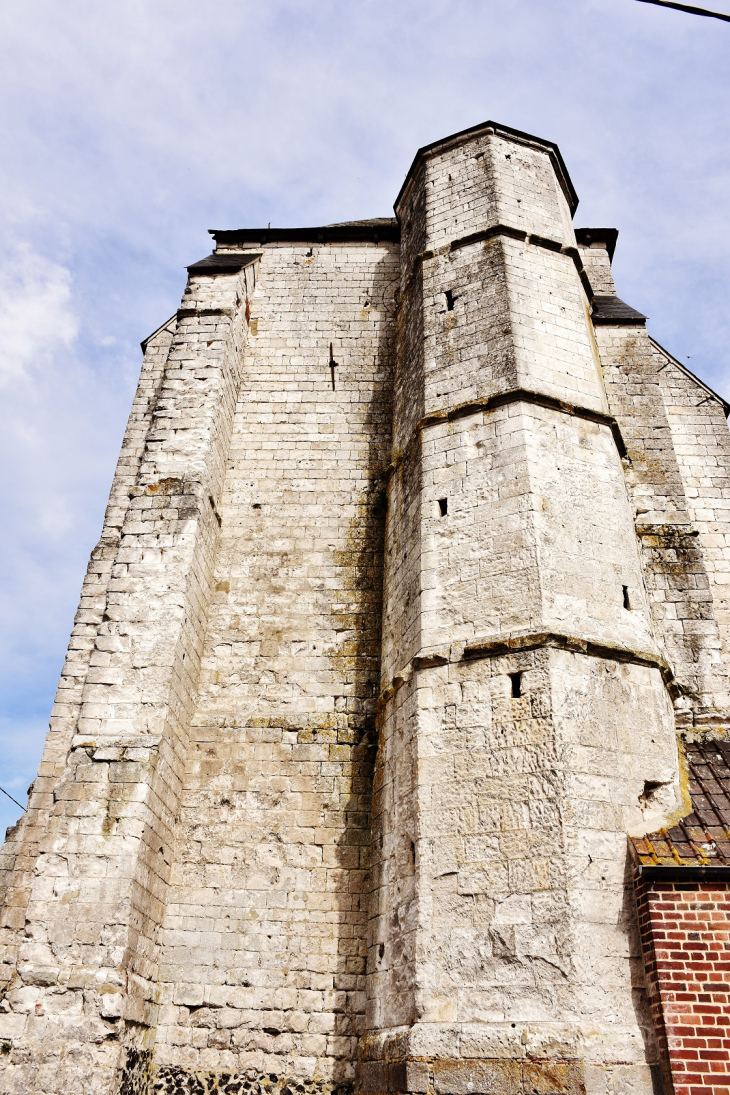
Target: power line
(688,7)
(11,798)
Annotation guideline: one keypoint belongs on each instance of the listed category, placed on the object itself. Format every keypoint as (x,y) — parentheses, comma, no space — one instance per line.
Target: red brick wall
(685,931)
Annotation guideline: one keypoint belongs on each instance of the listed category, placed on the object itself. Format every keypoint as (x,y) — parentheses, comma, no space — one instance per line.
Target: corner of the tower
(484,177)
(517,639)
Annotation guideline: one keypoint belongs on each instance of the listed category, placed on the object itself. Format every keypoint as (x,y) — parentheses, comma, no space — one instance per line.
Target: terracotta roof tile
(703,837)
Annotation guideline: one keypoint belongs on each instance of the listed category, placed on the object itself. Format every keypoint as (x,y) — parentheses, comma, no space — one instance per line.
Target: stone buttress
(83,918)
(524,706)
(415,572)
(187,894)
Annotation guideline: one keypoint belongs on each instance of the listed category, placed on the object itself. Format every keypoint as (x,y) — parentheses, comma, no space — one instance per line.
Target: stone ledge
(519,234)
(516,642)
(526,395)
(666,530)
(486,1076)
(511,643)
(607,310)
(503,399)
(535,241)
(120,741)
(491,233)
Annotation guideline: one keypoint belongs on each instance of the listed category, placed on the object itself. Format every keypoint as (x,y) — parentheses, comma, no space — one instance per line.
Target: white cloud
(36,316)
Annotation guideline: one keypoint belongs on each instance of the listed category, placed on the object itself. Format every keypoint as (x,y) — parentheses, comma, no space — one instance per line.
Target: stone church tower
(399,669)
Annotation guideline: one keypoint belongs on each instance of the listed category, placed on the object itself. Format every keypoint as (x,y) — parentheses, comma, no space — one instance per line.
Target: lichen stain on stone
(165,486)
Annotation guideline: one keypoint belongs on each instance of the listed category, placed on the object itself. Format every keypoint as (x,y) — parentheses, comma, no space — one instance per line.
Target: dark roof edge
(679,872)
(506,131)
(688,372)
(328,233)
(587,236)
(228,262)
(610,310)
(145,341)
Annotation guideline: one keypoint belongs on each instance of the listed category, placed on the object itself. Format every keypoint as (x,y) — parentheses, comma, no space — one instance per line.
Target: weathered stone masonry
(377,666)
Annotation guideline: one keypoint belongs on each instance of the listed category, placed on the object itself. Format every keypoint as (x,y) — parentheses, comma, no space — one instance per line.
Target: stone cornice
(518,642)
(526,395)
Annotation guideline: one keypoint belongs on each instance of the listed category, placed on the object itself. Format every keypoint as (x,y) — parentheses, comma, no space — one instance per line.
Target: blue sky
(130,129)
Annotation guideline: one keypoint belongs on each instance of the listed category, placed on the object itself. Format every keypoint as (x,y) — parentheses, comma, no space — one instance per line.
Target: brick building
(684,919)
(390,749)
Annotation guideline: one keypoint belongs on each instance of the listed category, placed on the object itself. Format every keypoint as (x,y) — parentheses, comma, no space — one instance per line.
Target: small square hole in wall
(516,681)
(443,507)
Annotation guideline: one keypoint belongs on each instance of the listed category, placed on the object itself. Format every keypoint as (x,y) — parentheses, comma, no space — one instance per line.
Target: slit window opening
(449,300)
(443,507)
(627,599)
(516,679)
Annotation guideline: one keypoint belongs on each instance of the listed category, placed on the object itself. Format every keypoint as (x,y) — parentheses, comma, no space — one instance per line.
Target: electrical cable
(11,798)
(689,8)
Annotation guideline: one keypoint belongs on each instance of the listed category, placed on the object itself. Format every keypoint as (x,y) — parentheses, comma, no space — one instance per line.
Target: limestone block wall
(23,841)
(83,992)
(510,898)
(676,471)
(527,712)
(697,420)
(33,991)
(377,664)
(264,944)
